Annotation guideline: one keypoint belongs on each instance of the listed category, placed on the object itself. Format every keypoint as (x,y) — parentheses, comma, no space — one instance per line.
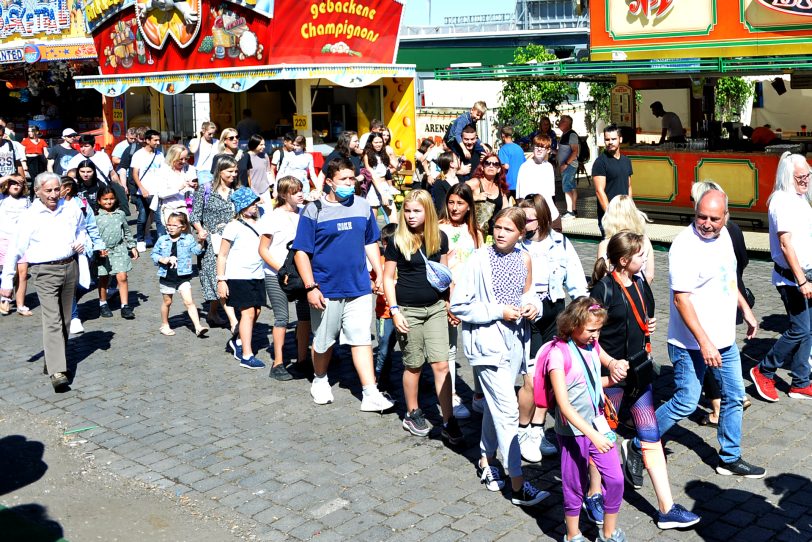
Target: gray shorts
(171,289)
(347,319)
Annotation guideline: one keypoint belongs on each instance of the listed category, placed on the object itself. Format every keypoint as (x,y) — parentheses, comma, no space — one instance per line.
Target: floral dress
(212,212)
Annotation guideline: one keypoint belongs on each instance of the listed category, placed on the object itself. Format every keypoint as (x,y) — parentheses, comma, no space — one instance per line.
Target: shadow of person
(83,346)
(738,508)
(22,462)
(29,523)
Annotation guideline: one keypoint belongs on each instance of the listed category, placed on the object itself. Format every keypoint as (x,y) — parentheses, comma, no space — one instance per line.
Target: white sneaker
(76,326)
(375,402)
(530,444)
(141,246)
(478,404)
(547,446)
(461,412)
(491,477)
(322,393)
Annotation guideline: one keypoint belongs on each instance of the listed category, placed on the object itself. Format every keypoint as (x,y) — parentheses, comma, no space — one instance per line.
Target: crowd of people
(474,256)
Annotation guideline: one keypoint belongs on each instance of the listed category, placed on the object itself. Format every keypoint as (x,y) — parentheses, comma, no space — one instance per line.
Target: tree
(732,94)
(524,101)
(597,107)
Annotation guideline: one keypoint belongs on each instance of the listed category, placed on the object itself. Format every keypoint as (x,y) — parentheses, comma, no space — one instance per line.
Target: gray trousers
(56,286)
(500,421)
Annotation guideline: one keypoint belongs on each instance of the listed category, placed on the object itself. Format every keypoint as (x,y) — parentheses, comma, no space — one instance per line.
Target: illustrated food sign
(662,29)
(139,36)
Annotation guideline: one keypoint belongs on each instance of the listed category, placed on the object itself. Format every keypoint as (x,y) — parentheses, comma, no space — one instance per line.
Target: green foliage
(732,94)
(598,105)
(525,101)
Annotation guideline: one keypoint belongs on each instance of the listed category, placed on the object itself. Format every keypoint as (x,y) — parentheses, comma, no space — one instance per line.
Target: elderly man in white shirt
(51,233)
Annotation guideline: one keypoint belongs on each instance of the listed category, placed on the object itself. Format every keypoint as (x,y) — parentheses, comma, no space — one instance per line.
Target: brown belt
(63,261)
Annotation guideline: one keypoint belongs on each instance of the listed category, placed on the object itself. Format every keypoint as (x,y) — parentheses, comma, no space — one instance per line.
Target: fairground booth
(678,50)
(313,67)
(43,46)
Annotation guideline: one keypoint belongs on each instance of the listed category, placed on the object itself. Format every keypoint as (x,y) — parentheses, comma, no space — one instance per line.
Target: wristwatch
(221,278)
(312,286)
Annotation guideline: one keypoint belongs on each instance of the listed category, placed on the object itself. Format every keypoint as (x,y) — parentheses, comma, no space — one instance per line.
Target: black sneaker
(632,464)
(59,380)
(740,467)
(528,495)
(452,432)
(416,424)
(278,372)
(127,312)
(105,312)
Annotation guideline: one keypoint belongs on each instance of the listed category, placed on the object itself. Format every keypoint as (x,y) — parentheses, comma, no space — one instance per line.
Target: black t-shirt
(243,166)
(61,156)
(474,161)
(89,193)
(621,336)
(617,171)
(439,191)
(413,288)
(172,272)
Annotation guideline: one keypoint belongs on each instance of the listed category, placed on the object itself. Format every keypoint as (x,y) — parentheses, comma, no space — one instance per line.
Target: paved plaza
(179,415)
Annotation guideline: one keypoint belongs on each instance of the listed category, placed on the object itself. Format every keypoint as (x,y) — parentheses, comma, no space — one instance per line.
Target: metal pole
(429,1)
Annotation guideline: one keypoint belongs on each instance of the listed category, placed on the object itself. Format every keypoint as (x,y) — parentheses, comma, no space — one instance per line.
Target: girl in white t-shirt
(457,222)
(13,202)
(299,164)
(277,230)
(240,278)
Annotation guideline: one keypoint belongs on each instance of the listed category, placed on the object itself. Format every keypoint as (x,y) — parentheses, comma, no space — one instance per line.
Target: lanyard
(643,325)
(591,385)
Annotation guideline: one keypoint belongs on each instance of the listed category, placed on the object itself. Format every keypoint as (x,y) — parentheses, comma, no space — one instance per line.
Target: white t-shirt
(100,158)
(790,213)
(9,158)
(147,168)
(243,262)
(281,226)
(172,184)
(11,209)
(205,153)
(707,270)
(534,178)
(297,165)
(672,124)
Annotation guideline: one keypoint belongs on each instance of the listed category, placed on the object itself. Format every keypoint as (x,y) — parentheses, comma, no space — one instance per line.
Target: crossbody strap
(247,225)
(592,386)
(643,324)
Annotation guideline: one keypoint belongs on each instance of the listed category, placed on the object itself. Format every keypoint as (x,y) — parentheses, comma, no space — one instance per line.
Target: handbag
(438,275)
(483,211)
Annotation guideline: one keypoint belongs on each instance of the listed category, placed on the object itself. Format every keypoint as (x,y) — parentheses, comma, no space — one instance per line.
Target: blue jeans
(794,345)
(689,370)
(386,342)
(142,207)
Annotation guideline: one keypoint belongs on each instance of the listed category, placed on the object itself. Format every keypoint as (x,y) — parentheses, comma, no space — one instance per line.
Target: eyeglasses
(492,164)
(182,159)
(231,138)
(541,148)
(803,178)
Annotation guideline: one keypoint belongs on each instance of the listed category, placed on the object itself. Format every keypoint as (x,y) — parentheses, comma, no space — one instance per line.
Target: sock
(369,390)
(124,305)
(318,379)
(102,303)
(246,358)
(540,425)
(238,342)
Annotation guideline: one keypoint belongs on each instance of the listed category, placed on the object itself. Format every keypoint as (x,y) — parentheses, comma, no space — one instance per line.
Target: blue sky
(416,12)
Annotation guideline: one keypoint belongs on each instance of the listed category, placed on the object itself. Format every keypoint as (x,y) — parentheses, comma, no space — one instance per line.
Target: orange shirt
(34,148)
(381,307)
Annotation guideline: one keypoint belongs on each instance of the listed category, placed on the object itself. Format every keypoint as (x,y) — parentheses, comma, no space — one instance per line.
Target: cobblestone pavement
(179,414)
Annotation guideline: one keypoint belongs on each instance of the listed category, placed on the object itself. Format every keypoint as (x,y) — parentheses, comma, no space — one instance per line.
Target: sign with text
(659,29)
(146,36)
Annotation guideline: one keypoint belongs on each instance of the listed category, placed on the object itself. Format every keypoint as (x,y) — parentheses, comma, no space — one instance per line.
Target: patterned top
(508,275)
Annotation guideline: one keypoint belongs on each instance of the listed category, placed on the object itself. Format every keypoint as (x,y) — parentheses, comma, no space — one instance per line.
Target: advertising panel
(663,29)
(149,36)
(40,19)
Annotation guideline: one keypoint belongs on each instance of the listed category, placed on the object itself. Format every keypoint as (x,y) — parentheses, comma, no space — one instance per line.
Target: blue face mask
(343,192)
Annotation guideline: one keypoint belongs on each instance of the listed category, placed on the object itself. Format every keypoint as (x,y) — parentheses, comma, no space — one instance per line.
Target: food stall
(742,37)
(316,67)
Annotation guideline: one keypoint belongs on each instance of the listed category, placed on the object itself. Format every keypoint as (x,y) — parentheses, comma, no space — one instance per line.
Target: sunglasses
(15,183)
(803,178)
(231,138)
(492,164)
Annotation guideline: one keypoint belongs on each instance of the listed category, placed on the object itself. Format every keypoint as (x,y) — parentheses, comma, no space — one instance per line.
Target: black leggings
(543,330)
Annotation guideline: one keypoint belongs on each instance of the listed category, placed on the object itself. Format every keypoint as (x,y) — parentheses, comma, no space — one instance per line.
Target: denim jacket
(187,247)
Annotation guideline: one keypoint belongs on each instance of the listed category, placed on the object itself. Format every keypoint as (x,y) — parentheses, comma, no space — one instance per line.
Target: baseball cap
(69,132)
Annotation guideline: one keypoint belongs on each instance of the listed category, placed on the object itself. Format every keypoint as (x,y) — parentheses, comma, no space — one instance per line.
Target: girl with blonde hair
(623,215)
(421,319)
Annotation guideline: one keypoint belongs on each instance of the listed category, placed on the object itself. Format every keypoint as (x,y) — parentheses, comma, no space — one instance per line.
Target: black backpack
(126,161)
(290,281)
(583,148)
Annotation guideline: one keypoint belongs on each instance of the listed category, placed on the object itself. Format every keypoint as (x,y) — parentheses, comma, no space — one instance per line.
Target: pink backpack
(542,389)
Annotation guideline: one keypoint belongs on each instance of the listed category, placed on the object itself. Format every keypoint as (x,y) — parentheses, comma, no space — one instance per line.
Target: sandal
(24,311)
(747,404)
(201,332)
(166,330)
(706,421)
